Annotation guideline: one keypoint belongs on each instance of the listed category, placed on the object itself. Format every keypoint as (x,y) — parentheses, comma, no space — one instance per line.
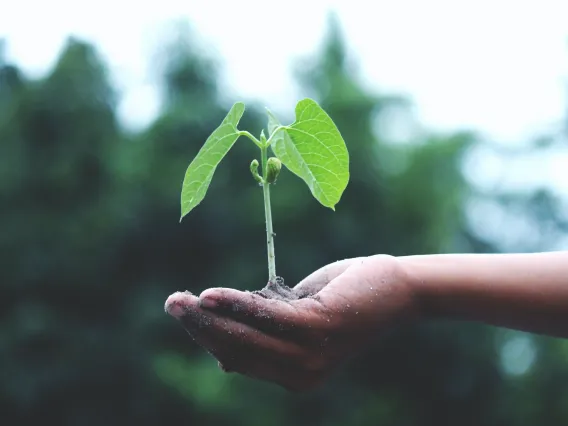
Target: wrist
(415,275)
(402,284)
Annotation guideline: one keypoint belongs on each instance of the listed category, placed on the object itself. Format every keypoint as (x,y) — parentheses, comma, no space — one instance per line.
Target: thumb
(317,280)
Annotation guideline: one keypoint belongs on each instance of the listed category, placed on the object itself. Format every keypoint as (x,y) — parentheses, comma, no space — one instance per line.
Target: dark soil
(278,290)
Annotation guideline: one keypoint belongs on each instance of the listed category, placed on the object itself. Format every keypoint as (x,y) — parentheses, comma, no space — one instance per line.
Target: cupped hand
(297,343)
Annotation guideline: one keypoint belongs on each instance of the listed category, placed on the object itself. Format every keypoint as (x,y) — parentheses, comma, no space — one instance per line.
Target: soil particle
(277,290)
(193,318)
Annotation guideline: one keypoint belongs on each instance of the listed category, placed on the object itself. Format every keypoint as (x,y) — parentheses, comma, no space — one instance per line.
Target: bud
(273,168)
(254,171)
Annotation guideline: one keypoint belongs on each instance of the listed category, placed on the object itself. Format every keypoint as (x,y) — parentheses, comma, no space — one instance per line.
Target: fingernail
(207,303)
(175,305)
(175,309)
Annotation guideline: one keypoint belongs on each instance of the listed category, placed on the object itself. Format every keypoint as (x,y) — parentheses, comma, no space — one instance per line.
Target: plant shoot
(312,148)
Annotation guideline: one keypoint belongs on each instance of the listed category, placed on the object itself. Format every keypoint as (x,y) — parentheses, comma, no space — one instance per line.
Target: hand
(297,343)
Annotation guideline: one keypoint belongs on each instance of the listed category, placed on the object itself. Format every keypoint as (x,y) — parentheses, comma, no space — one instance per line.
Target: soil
(277,290)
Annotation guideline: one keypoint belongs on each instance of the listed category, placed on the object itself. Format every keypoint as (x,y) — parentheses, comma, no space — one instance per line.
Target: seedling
(312,148)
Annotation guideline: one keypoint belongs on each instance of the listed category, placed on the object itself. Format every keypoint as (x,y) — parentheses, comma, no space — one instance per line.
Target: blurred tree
(73,358)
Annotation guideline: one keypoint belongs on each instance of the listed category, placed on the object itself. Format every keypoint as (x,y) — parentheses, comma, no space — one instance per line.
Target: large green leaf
(200,172)
(313,149)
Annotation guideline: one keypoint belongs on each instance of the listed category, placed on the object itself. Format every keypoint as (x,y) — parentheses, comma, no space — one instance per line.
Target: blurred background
(455,117)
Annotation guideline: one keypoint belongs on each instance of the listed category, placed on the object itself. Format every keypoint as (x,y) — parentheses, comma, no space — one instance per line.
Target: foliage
(311,147)
(200,172)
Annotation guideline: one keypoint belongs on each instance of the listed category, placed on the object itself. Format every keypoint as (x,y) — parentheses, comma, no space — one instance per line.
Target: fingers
(269,315)
(275,316)
(241,348)
(179,304)
(227,339)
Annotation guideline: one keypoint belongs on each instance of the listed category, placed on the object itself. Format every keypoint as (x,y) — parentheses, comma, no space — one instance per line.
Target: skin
(344,305)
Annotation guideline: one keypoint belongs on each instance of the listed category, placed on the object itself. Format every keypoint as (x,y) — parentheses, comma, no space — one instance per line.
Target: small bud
(254,171)
(273,168)
(262,137)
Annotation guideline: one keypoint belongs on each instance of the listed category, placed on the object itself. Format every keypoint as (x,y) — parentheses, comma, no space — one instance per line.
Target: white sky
(498,66)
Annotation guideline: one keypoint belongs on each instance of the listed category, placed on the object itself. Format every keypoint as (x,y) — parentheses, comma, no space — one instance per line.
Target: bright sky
(498,66)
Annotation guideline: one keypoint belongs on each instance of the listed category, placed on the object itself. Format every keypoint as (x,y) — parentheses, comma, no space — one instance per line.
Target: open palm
(296,343)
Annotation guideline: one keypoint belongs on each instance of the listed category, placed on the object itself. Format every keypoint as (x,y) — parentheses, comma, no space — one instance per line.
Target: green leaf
(200,172)
(313,149)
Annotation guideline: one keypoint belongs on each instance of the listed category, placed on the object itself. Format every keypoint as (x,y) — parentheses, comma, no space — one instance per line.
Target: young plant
(311,147)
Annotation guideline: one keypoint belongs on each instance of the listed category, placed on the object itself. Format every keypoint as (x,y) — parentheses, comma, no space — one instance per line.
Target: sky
(499,67)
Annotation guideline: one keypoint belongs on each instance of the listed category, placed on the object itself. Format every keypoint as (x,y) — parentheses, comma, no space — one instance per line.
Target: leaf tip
(183,214)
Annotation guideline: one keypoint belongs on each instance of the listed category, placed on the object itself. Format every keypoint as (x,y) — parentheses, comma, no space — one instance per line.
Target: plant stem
(251,137)
(268,214)
(273,133)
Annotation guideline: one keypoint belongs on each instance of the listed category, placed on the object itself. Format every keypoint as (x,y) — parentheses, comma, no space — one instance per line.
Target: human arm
(526,292)
(344,305)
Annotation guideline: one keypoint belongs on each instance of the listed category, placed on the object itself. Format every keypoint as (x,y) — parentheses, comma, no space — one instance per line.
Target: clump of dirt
(277,290)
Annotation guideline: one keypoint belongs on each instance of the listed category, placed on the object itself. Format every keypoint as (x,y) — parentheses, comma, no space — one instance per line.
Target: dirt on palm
(278,290)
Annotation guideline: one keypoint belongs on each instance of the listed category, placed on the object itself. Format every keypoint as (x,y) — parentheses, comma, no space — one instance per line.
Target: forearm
(521,291)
